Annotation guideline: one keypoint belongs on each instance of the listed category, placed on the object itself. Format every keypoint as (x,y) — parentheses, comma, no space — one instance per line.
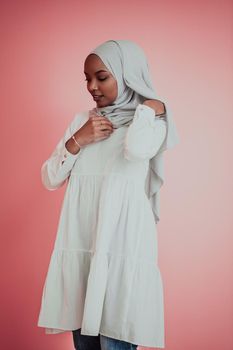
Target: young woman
(103,281)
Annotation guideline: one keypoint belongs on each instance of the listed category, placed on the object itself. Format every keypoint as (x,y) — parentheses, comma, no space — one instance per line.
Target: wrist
(76,141)
(156,105)
(148,103)
(72,147)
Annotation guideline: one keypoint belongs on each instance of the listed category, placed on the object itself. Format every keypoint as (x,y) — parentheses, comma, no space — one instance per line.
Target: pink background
(189,49)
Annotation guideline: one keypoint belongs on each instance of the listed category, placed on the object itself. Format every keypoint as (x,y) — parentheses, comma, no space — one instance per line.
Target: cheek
(114,89)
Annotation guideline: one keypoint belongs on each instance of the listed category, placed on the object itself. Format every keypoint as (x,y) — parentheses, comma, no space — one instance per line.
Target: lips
(97,97)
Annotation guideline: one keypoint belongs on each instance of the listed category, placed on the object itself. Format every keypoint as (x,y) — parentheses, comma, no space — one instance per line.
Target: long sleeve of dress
(145,134)
(56,169)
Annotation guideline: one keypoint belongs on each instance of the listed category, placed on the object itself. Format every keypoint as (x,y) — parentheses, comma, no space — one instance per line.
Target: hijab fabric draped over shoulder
(127,62)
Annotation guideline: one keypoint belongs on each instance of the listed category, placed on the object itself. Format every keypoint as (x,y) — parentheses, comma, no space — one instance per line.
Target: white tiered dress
(103,275)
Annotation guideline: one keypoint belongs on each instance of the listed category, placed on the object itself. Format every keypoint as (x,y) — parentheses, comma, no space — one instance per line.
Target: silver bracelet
(76,141)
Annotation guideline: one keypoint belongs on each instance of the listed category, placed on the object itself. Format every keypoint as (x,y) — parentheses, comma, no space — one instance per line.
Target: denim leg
(85,342)
(115,344)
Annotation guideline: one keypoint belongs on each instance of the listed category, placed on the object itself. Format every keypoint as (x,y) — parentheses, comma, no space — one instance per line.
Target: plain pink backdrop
(189,50)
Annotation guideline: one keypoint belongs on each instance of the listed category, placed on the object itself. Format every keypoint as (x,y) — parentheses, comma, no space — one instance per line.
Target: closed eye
(101,79)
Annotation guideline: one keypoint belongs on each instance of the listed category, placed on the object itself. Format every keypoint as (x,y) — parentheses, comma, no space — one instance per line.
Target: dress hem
(106,334)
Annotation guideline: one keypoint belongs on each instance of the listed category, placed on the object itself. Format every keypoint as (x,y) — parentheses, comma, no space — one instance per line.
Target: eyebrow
(101,70)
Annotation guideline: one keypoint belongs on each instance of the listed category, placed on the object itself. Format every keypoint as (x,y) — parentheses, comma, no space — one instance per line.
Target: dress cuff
(67,156)
(144,115)
(145,134)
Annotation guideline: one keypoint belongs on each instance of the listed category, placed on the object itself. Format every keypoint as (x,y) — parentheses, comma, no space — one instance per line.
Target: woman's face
(100,81)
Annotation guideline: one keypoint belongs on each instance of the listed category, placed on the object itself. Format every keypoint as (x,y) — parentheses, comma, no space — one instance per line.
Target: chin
(99,104)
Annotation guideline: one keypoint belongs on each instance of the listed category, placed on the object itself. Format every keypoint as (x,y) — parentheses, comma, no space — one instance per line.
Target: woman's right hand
(95,129)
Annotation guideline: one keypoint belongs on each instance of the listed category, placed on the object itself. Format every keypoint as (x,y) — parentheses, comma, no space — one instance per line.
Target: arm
(145,134)
(56,169)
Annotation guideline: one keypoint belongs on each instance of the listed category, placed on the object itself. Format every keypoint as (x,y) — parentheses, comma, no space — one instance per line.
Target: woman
(103,281)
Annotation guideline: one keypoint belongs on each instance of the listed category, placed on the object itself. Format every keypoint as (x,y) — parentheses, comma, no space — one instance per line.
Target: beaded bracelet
(76,141)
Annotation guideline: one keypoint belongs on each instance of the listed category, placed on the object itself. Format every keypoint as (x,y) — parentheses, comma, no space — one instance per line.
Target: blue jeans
(100,342)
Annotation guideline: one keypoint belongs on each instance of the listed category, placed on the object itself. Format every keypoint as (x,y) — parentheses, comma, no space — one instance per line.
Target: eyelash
(99,79)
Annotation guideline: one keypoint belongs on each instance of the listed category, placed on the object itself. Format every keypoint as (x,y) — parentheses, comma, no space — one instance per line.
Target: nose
(93,86)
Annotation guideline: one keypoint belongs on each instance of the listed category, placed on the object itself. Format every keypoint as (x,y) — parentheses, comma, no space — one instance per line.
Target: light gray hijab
(127,62)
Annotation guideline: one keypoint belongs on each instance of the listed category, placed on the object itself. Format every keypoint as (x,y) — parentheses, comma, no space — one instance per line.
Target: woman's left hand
(157,105)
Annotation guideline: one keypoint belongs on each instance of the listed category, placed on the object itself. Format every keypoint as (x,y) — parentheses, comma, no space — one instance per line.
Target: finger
(102,123)
(102,136)
(105,128)
(102,119)
(106,133)
(103,132)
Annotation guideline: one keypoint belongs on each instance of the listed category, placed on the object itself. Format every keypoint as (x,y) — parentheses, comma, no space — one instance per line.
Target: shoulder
(77,121)
(80,118)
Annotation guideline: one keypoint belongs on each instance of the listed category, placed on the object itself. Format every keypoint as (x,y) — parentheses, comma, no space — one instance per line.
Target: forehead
(93,63)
